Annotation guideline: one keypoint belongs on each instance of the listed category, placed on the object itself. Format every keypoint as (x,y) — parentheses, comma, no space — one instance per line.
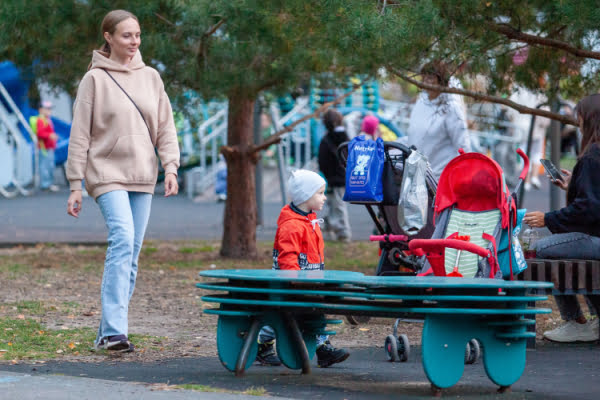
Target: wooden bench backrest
(568,276)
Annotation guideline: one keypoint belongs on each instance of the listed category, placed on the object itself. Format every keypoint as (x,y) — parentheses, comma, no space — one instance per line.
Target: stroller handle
(438,245)
(342,155)
(388,238)
(526,166)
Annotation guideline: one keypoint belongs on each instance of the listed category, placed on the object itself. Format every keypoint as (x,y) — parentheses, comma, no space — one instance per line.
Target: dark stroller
(395,257)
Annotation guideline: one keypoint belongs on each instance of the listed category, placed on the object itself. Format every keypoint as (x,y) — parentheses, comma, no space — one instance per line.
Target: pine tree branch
(515,34)
(276,137)
(203,46)
(488,98)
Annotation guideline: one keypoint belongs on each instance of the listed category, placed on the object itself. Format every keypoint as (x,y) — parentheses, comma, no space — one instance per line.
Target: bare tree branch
(488,98)
(276,137)
(203,46)
(164,19)
(515,34)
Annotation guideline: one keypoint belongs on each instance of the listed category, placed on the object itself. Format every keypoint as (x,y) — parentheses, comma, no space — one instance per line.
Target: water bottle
(528,240)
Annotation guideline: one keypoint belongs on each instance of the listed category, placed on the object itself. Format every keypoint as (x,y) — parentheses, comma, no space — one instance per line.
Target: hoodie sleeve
(456,127)
(166,136)
(582,213)
(79,139)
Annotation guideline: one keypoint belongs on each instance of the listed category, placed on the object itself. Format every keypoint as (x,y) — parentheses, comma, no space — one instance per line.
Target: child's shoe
(328,355)
(266,355)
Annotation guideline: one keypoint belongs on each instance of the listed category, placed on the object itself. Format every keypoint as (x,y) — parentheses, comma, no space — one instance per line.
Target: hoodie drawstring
(316,221)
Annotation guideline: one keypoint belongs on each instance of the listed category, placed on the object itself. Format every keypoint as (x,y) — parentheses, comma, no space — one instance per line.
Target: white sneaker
(535,181)
(572,331)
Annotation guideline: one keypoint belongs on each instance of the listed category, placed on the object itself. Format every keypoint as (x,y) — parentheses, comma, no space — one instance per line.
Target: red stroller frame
(395,256)
(472,182)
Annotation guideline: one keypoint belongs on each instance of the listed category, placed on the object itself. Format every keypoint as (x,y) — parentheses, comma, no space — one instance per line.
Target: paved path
(552,372)
(27,386)
(43,218)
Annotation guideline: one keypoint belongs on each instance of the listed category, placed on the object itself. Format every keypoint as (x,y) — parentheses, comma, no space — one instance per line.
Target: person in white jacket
(437,125)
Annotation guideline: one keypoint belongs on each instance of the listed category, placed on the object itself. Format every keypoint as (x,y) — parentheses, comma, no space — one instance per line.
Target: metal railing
(10,120)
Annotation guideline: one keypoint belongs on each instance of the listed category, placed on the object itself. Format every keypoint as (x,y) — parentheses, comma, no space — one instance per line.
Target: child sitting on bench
(299,245)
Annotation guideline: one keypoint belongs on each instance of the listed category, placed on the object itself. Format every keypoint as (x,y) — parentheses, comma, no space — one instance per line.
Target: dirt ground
(166,303)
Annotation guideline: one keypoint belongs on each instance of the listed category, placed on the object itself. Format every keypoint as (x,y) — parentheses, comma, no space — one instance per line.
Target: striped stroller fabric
(473,224)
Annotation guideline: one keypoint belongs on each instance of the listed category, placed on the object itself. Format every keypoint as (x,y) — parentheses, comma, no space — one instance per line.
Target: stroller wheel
(472,351)
(391,348)
(403,348)
(357,319)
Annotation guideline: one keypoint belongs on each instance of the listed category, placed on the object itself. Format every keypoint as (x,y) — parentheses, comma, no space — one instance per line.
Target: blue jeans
(572,245)
(267,334)
(126,216)
(47,166)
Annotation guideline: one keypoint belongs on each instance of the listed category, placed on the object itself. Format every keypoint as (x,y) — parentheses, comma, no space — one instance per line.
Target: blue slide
(17,88)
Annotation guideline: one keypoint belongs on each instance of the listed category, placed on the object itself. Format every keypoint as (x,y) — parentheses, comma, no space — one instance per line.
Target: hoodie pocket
(131,160)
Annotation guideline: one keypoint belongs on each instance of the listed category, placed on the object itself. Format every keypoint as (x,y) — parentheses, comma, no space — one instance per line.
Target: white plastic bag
(413,203)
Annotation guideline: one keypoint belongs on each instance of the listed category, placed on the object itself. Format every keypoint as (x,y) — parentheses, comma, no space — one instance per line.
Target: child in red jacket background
(299,245)
(47,144)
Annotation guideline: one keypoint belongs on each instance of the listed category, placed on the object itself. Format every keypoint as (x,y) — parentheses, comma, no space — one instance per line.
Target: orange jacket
(298,241)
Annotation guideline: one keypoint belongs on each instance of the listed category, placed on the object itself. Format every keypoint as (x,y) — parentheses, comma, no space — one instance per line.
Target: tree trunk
(239,233)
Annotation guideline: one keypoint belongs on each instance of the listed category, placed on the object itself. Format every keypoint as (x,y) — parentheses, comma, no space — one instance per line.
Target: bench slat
(568,276)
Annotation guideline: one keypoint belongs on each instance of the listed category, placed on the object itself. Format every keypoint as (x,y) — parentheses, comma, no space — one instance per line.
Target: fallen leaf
(20,316)
(71,345)
(363,329)
(59,351)
(9,343)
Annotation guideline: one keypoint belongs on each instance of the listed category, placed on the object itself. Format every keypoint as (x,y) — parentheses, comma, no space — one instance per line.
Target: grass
(26,339)
(568,162)
(252,391)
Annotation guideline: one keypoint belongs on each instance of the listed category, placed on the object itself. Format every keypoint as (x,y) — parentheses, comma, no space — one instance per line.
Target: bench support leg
(443,346)
(236,342)
(240,366)
(298,342)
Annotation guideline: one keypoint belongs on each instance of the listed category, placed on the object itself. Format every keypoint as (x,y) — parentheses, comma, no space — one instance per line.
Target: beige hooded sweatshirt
(110,145)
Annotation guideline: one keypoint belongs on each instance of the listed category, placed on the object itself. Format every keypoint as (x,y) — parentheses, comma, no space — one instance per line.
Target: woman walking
(120,116)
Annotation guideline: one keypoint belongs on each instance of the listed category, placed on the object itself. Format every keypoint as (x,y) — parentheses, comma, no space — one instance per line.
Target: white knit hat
(303,184)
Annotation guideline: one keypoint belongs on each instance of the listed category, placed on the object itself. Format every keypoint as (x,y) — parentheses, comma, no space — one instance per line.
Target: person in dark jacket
(576,227)
(337,224)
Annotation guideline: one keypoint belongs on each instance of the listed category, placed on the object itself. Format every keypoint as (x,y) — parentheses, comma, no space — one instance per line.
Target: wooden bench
(295,304)
(567,277)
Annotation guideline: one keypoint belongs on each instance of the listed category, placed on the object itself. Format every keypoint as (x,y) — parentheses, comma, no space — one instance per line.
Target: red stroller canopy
(473,182)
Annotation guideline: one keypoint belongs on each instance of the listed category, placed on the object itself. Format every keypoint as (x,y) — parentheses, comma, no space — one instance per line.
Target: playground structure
(19,172)
(200,146)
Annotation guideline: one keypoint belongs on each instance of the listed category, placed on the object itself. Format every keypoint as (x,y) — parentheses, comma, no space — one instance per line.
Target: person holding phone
(576,227)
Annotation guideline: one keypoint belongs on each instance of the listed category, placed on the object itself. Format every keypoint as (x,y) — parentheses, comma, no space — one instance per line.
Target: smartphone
(551,169)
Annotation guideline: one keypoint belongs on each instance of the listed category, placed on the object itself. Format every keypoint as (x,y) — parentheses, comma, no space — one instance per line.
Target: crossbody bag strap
(129,97)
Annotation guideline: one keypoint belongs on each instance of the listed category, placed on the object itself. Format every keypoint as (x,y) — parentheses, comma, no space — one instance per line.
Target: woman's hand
(171,185)
(535,219)
(74,203)
(564,182)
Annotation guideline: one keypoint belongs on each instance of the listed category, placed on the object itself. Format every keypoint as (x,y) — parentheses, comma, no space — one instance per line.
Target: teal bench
(295,304)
